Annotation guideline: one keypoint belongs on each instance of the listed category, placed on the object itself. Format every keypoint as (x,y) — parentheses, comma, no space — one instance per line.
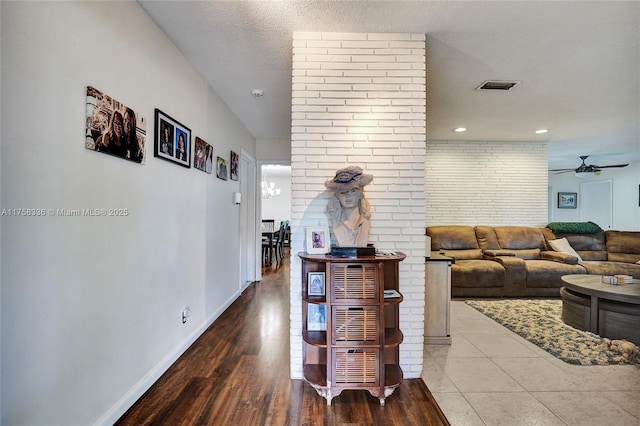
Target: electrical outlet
(186,313)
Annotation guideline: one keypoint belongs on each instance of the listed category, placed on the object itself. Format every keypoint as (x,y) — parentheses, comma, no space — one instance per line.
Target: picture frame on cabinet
(315,284)
(318,240)
(172,140)
(316,317)
(567,200)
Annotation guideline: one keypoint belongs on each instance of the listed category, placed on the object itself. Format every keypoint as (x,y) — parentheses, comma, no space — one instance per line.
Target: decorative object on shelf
(113,128)
(315,282)
(567,200)
(235,166)
(173,140)
(349,211)
(203,156)
(316,317)
(318,240)
(221,168)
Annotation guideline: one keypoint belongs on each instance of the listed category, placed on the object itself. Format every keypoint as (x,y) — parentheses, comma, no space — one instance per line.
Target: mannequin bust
(349,211)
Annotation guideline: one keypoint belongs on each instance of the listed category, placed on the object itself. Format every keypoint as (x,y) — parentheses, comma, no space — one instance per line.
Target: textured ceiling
(579,64)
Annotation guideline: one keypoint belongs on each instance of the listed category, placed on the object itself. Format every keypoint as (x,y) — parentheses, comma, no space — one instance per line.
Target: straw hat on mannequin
(349,211)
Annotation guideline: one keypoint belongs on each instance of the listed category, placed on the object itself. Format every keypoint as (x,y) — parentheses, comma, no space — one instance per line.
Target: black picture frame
(567,200)
(168,133)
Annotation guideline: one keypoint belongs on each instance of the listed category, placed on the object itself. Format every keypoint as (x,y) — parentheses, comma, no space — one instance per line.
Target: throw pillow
(563,246)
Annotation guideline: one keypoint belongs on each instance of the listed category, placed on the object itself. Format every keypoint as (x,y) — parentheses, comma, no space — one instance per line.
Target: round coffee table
(607,310)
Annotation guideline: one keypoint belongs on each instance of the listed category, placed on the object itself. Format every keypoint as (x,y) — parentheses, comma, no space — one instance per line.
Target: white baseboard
(121,407)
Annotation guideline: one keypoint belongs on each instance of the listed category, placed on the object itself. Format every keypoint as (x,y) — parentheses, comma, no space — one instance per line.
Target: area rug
(540,322)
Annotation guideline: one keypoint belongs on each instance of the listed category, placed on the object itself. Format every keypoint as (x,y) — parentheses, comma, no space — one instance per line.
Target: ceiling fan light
(582,175)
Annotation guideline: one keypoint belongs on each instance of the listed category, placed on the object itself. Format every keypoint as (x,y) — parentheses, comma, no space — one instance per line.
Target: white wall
(91,306)
(626,212)
(486,183)
(278,151)
(359,99)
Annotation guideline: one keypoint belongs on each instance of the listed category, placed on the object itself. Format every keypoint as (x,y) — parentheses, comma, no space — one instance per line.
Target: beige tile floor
(491,376)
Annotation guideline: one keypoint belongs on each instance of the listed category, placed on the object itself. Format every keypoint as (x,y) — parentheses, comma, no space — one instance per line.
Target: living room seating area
(519,261)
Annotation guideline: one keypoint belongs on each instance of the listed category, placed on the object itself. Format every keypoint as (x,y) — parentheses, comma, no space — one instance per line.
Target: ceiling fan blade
(612,165)
(561,170)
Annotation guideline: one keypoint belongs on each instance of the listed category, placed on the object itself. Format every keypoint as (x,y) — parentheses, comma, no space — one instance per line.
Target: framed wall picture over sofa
(172,140)
(567,200)
(113,128)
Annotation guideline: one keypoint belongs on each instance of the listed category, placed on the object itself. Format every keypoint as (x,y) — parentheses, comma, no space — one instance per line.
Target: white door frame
(248,209)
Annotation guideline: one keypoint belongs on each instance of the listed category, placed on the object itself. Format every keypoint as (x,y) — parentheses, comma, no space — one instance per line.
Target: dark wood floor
(237,373)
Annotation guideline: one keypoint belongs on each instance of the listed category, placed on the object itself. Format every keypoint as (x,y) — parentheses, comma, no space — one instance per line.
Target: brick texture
(360,99)
(486,183)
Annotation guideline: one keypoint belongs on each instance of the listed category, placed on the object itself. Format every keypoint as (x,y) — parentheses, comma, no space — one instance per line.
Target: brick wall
(486,183)
(359,99)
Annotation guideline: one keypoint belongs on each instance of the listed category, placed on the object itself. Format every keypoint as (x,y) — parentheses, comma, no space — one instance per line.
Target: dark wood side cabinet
(351,334)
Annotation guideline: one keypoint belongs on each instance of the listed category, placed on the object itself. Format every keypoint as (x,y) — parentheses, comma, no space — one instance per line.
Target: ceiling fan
(584,169)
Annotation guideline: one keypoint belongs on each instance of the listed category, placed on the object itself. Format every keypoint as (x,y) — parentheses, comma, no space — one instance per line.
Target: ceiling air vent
(497,85)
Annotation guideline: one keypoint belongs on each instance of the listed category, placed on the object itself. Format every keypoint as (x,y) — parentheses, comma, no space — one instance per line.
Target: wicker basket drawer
(356,366)
(354,281)
(353,324)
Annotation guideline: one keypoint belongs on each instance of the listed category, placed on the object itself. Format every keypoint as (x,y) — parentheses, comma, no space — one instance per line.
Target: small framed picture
(173,140)
(315,284)
(235,166)
(567,200)
(318,240)
(316,317)
(203,156)
(221,168)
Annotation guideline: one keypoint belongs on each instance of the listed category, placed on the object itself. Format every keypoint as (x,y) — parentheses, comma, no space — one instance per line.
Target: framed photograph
(113,128)
(318,240)
(221,168)
(316,317)
(567,200)
(235,171)
(203,156)
(315,284)
(173,140)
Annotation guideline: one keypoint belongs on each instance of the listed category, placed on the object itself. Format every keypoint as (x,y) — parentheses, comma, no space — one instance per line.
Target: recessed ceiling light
(460,129)
(541,131)
(257,93)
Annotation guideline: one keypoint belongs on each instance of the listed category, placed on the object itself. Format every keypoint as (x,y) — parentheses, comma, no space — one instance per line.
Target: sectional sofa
(519,261)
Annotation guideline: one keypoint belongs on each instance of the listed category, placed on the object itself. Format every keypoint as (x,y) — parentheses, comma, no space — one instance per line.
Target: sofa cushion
(588,246)
(487,239)
(611,268)
(563,246)
(528,254)
(452,237)
(463,254)
(546,273)
(519,237)
(477,274)
(623,246)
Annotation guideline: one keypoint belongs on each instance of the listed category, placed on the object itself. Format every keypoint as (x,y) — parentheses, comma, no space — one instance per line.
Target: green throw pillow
(574,227)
